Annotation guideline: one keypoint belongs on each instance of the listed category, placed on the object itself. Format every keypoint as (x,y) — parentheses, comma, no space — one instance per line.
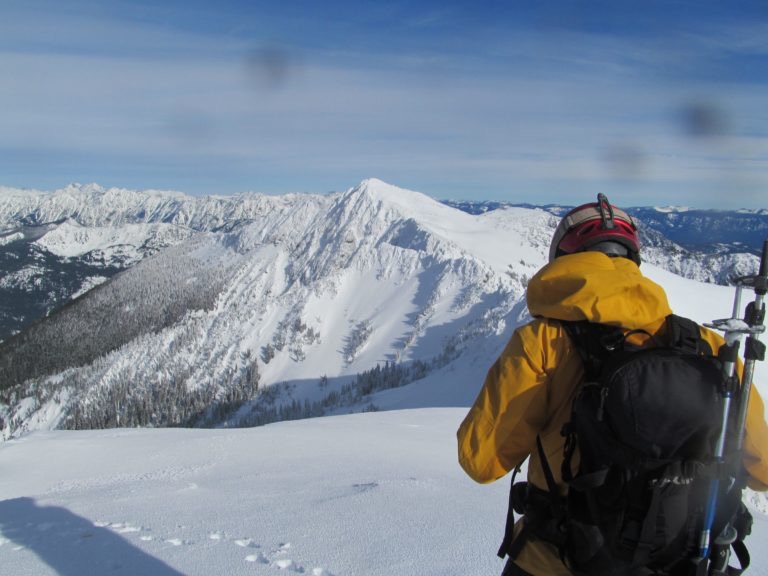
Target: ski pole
(728,354)
(734,329)
(754,350)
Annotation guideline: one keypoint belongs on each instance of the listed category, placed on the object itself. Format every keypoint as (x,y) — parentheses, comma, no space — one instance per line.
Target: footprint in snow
(177,541)
(288,564)
(258,557)
(246,543)
(283,548)
(123,528)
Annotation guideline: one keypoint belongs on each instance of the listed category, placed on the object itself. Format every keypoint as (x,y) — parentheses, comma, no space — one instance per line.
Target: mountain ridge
(271,312)
(699,231)
(94,206)
(272,307)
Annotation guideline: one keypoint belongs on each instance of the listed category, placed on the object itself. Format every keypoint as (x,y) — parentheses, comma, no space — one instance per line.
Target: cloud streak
(527,116)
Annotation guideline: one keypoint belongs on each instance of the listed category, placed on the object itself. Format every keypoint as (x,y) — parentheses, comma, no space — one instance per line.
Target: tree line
(153,295)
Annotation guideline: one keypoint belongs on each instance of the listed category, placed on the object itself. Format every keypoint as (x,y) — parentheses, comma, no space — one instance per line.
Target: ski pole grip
(764,261)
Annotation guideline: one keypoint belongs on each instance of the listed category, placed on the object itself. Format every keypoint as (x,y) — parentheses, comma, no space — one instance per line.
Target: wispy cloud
(521,115)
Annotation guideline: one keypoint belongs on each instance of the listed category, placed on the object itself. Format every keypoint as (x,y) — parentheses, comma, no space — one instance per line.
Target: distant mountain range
(696,230)
(56,246)
(125,308)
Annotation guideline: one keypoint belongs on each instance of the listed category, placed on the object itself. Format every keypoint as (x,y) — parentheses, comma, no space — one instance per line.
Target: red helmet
(596,226)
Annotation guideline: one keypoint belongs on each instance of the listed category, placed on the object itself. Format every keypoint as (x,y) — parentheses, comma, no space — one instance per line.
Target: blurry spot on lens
(270,66)
(704,119)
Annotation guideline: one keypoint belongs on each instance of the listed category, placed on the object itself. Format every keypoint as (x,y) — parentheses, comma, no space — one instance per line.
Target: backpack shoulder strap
(594,343)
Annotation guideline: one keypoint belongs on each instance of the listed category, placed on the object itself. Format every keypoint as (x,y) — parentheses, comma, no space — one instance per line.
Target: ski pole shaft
(737,302)
(728,354)
(754,349)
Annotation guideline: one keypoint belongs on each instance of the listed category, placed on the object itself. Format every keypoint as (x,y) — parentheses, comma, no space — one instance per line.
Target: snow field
(374,494)
(363,494)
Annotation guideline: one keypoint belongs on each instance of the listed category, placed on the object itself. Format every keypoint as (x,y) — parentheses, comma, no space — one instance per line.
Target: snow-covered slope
(42,267)
(367,494)
(316,287)
(738,231)
(128,243)
(59,245)
(715,230)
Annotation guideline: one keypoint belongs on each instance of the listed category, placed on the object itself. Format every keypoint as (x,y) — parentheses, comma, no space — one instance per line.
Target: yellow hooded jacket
(529,389)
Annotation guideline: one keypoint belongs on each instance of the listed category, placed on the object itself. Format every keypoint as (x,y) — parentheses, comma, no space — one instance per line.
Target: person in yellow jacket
(593,275)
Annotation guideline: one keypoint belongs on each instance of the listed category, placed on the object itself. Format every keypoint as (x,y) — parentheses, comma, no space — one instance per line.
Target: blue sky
(544,102)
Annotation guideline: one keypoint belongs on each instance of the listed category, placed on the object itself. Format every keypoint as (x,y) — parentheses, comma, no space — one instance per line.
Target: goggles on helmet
(591,224)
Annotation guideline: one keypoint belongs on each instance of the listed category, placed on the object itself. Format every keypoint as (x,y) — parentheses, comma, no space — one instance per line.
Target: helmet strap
(606,212)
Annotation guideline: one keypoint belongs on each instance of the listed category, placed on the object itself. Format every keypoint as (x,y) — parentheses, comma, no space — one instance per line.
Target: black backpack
(645,422)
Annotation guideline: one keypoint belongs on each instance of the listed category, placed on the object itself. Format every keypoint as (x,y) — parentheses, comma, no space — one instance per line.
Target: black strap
(740,549)
(743,525)
(648,530)
(594,343)
(551,485)
(579,333)
(511,546)
(506,543)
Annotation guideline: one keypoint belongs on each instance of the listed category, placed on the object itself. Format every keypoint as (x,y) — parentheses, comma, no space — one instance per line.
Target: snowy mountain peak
(382,191)
(97,190)
(407,203)
(669,209)
(77,189)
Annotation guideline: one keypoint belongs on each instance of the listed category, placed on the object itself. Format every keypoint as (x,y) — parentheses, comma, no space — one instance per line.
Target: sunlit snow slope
(367,494)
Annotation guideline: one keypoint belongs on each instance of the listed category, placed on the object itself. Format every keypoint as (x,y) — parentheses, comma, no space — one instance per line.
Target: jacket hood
(591,286)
